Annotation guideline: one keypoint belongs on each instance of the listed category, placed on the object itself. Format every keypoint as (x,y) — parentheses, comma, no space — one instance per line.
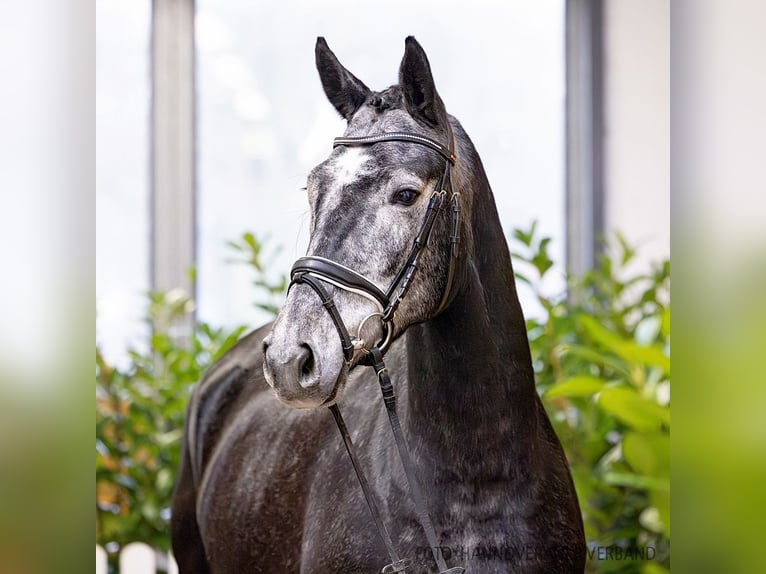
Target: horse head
(369,203)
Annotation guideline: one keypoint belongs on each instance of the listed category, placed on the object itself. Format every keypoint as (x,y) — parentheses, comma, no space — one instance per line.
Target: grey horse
(265,484)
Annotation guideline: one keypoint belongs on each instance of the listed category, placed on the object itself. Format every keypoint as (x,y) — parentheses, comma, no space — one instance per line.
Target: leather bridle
(315,271)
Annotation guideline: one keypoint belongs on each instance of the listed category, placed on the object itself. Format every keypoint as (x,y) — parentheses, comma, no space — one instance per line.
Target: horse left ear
(420,95)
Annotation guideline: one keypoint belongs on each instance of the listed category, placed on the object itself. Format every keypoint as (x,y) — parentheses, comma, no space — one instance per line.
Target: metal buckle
(361,345)
(396,567)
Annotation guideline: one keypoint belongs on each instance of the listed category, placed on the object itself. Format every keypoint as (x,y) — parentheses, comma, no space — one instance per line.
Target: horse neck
(471,392)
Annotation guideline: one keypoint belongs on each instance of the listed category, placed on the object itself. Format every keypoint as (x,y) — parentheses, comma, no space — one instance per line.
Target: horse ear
(344,90)
(420,95)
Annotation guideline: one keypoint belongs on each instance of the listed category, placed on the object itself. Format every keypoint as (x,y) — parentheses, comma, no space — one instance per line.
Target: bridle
(315,271)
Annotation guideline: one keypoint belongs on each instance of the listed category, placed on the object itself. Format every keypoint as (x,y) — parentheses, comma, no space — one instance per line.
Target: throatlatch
(313,271)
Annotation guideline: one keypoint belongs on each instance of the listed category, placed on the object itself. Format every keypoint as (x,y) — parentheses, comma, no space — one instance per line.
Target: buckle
(395,567)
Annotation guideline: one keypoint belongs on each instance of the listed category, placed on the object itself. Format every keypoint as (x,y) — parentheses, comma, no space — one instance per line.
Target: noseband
(315,271)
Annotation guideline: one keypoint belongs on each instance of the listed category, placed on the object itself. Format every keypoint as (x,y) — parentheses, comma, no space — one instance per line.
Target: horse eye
(406,196)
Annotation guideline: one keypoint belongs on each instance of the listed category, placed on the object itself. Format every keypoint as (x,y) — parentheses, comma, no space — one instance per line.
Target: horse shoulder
(211,401)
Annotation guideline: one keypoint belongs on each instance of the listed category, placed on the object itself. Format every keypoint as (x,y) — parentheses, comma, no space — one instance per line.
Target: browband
(443,150)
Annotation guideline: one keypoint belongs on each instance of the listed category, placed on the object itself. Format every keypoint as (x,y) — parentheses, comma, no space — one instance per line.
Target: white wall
(637,123)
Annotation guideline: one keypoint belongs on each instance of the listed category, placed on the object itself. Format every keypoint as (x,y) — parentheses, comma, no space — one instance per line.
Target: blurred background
(210,115)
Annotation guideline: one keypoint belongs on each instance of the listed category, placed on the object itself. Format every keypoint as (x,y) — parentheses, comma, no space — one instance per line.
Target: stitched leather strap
(341,274)
(401,282)
(445,151)
(329,304)
(389,399)
(454,243)
(397,564)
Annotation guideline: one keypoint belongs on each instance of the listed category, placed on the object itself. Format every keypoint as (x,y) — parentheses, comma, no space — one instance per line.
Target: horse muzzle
(303,358)
(303,373)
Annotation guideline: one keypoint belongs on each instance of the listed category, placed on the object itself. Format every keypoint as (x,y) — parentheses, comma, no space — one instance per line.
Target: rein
(314,271)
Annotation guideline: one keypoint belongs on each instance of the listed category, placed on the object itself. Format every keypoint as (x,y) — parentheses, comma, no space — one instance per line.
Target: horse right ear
(344,90)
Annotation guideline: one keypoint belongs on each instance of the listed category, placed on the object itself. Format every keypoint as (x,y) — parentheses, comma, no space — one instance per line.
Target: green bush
(140,409)
(601,358)
(139,422)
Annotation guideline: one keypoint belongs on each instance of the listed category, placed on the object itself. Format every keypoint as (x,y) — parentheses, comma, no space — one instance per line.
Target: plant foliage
(602,363)
(139,421)
(140,408)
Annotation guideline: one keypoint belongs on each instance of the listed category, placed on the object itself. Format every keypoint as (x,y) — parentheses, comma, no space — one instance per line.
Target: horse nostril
(307,361)
(308,370)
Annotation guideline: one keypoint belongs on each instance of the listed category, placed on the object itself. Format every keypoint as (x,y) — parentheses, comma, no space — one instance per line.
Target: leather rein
(317,271)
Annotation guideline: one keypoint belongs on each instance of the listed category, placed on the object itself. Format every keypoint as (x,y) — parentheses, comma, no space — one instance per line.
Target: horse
(265,484)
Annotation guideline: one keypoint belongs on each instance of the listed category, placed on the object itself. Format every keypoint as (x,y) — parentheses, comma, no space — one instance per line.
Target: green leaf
(521,257)
(525,238)
(542,262)
(167,438)
(660,499)
(647,453)
(249,239)
(626,349)
(234,245)
(665,323)
(578,386)
(628,252)
(150,511)
(164,479)
(653,568)
(632,409)
(616,478)
(589,355)
(522,278)
(650,519)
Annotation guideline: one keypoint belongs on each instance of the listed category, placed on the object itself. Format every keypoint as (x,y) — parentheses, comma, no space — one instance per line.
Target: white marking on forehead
(347,167)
